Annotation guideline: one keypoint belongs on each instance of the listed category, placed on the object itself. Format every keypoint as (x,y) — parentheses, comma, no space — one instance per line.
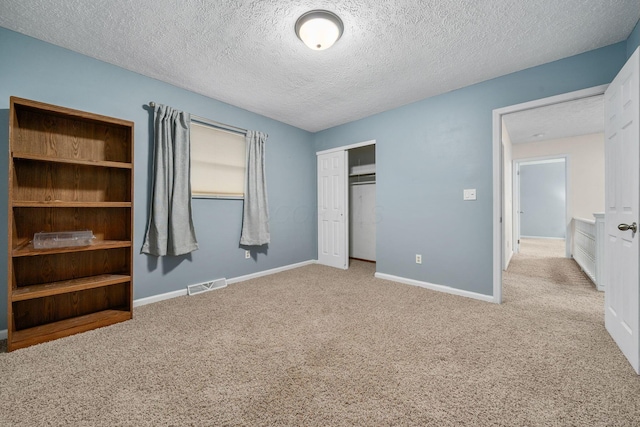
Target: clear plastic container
(62,239)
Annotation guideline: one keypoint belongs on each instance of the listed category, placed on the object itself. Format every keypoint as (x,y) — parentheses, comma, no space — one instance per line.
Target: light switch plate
(469,194)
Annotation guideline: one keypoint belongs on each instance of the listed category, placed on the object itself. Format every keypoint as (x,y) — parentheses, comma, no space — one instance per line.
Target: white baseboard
(269,272)
(439,288)
(3,334)
(182,292)
(159,297)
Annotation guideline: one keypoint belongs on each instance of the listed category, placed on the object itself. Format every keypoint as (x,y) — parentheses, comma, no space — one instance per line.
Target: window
(218,162)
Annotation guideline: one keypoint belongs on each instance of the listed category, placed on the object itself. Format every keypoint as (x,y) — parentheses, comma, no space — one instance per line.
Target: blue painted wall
(634,40)
(543,200)
(36,70)
(429,151)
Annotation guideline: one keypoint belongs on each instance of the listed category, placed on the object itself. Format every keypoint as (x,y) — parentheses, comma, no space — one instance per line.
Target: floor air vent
(206,286)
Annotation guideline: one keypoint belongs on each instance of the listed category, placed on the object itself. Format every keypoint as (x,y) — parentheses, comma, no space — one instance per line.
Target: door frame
(515,223)
(516,197)
(346,149)
(498,170)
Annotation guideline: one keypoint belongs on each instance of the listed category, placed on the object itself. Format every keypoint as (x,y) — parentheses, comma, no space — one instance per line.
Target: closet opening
(362,203)
(347,204)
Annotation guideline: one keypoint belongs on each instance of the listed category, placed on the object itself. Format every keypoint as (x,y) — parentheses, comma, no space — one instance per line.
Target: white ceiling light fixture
(319,29)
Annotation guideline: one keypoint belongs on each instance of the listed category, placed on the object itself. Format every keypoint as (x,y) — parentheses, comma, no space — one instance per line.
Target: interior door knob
(624,227)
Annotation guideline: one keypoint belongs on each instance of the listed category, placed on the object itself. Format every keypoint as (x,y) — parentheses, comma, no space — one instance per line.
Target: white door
(332,207)
(622,141)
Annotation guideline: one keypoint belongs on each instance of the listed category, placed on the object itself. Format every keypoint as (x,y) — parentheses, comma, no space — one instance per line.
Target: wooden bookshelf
(69,170)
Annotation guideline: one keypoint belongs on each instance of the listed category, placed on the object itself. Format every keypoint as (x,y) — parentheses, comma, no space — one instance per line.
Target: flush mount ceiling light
(319,29)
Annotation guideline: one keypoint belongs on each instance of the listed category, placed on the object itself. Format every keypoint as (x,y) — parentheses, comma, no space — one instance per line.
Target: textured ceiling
(245,52)
(573,118)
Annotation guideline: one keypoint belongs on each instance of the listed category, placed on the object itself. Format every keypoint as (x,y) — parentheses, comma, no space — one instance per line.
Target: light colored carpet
(318,346)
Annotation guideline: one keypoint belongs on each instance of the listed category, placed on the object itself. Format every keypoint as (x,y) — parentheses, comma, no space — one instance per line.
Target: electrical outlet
(418,259)
(247,254)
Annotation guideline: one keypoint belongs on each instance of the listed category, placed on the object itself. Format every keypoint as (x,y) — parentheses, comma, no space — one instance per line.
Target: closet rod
(212,123)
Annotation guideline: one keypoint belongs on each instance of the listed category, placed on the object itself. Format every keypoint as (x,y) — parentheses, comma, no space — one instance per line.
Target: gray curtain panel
(170,228)
(255,219)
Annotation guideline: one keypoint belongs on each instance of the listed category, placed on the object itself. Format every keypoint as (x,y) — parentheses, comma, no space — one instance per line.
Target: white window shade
(218,162)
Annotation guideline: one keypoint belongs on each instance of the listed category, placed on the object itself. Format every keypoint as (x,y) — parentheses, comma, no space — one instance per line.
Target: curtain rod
(212,123)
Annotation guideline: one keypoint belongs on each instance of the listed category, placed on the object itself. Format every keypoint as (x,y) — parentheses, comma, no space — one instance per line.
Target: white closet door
(362,239)
(332,204)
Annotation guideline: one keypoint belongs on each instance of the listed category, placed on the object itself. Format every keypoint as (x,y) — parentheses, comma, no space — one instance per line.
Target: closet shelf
(369,169)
